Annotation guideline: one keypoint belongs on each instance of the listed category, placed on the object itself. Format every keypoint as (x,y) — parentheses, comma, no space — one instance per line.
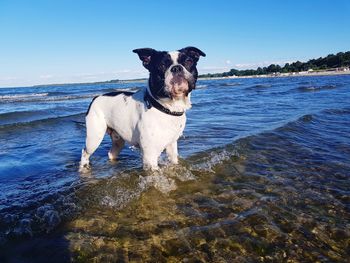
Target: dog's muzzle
(179,85)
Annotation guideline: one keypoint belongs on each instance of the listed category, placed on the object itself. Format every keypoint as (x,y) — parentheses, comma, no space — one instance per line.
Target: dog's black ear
(145,55)
(193,52)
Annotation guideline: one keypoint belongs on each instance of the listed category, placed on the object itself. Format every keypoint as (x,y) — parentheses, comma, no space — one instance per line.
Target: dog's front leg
(150,159)
(171,151)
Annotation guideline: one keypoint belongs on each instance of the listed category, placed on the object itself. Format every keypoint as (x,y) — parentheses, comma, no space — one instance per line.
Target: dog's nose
(176,69)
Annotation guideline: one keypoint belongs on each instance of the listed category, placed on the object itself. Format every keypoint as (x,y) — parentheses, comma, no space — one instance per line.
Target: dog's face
(172,74)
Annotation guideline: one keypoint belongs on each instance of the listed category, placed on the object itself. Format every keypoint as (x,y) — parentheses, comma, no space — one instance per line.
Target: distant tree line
(341,59)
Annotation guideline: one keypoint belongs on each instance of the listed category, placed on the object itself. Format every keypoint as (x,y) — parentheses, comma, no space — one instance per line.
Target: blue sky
(85,41)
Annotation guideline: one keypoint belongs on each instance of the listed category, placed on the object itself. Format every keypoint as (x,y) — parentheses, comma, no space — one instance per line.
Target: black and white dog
(152,119)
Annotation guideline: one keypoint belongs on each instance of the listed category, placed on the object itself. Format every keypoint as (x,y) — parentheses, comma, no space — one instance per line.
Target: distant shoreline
(278,75)
(291,74)
(284,75)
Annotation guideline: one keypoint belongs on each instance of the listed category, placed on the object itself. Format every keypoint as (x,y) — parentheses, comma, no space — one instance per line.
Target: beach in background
(309,73)
(264,176)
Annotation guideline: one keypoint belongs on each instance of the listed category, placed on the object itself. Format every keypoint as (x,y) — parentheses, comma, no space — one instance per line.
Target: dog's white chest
(160,129)
(137,124)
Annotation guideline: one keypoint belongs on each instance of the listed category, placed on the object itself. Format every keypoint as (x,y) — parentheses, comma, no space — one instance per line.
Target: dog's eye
(188,62)
(162,66)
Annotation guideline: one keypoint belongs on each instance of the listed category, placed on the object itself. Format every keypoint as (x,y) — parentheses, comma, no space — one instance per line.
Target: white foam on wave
(159,181)
(121,196)
(163,180)
(23,96)
(214,158)
(43,97)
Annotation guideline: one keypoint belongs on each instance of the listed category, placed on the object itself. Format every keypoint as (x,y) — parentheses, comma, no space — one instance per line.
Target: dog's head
(172,74)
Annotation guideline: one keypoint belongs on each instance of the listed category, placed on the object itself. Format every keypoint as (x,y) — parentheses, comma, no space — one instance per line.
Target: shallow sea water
(264,177)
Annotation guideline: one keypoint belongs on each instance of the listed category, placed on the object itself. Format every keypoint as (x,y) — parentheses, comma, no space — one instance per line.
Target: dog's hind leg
(95,130)
(117,144)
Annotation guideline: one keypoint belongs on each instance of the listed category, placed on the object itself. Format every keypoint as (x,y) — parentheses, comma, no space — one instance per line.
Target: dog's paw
(150,168)
(84,167)
(111,156)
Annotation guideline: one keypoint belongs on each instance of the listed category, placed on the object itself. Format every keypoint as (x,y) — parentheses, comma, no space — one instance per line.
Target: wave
(19,97)
(57,95)
(231,84)
(19,125)
(222,84)
(201,86)
(258,87)
(313,88)
(19,116)
(44,98)
(10,115)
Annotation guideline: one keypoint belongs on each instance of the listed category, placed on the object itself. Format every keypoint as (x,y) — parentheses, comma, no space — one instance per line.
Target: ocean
(264,176)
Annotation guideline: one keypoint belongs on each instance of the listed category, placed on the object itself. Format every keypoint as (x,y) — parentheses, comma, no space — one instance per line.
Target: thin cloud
(8,78)
(48,76)
(259,64)
(213,68)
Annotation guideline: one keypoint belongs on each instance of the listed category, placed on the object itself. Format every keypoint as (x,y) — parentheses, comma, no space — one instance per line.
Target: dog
(153,118)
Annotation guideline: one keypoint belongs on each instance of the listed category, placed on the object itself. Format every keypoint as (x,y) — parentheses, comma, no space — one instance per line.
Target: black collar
(151,102)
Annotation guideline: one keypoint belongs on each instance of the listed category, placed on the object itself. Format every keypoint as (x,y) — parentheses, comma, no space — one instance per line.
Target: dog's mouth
(179,87)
